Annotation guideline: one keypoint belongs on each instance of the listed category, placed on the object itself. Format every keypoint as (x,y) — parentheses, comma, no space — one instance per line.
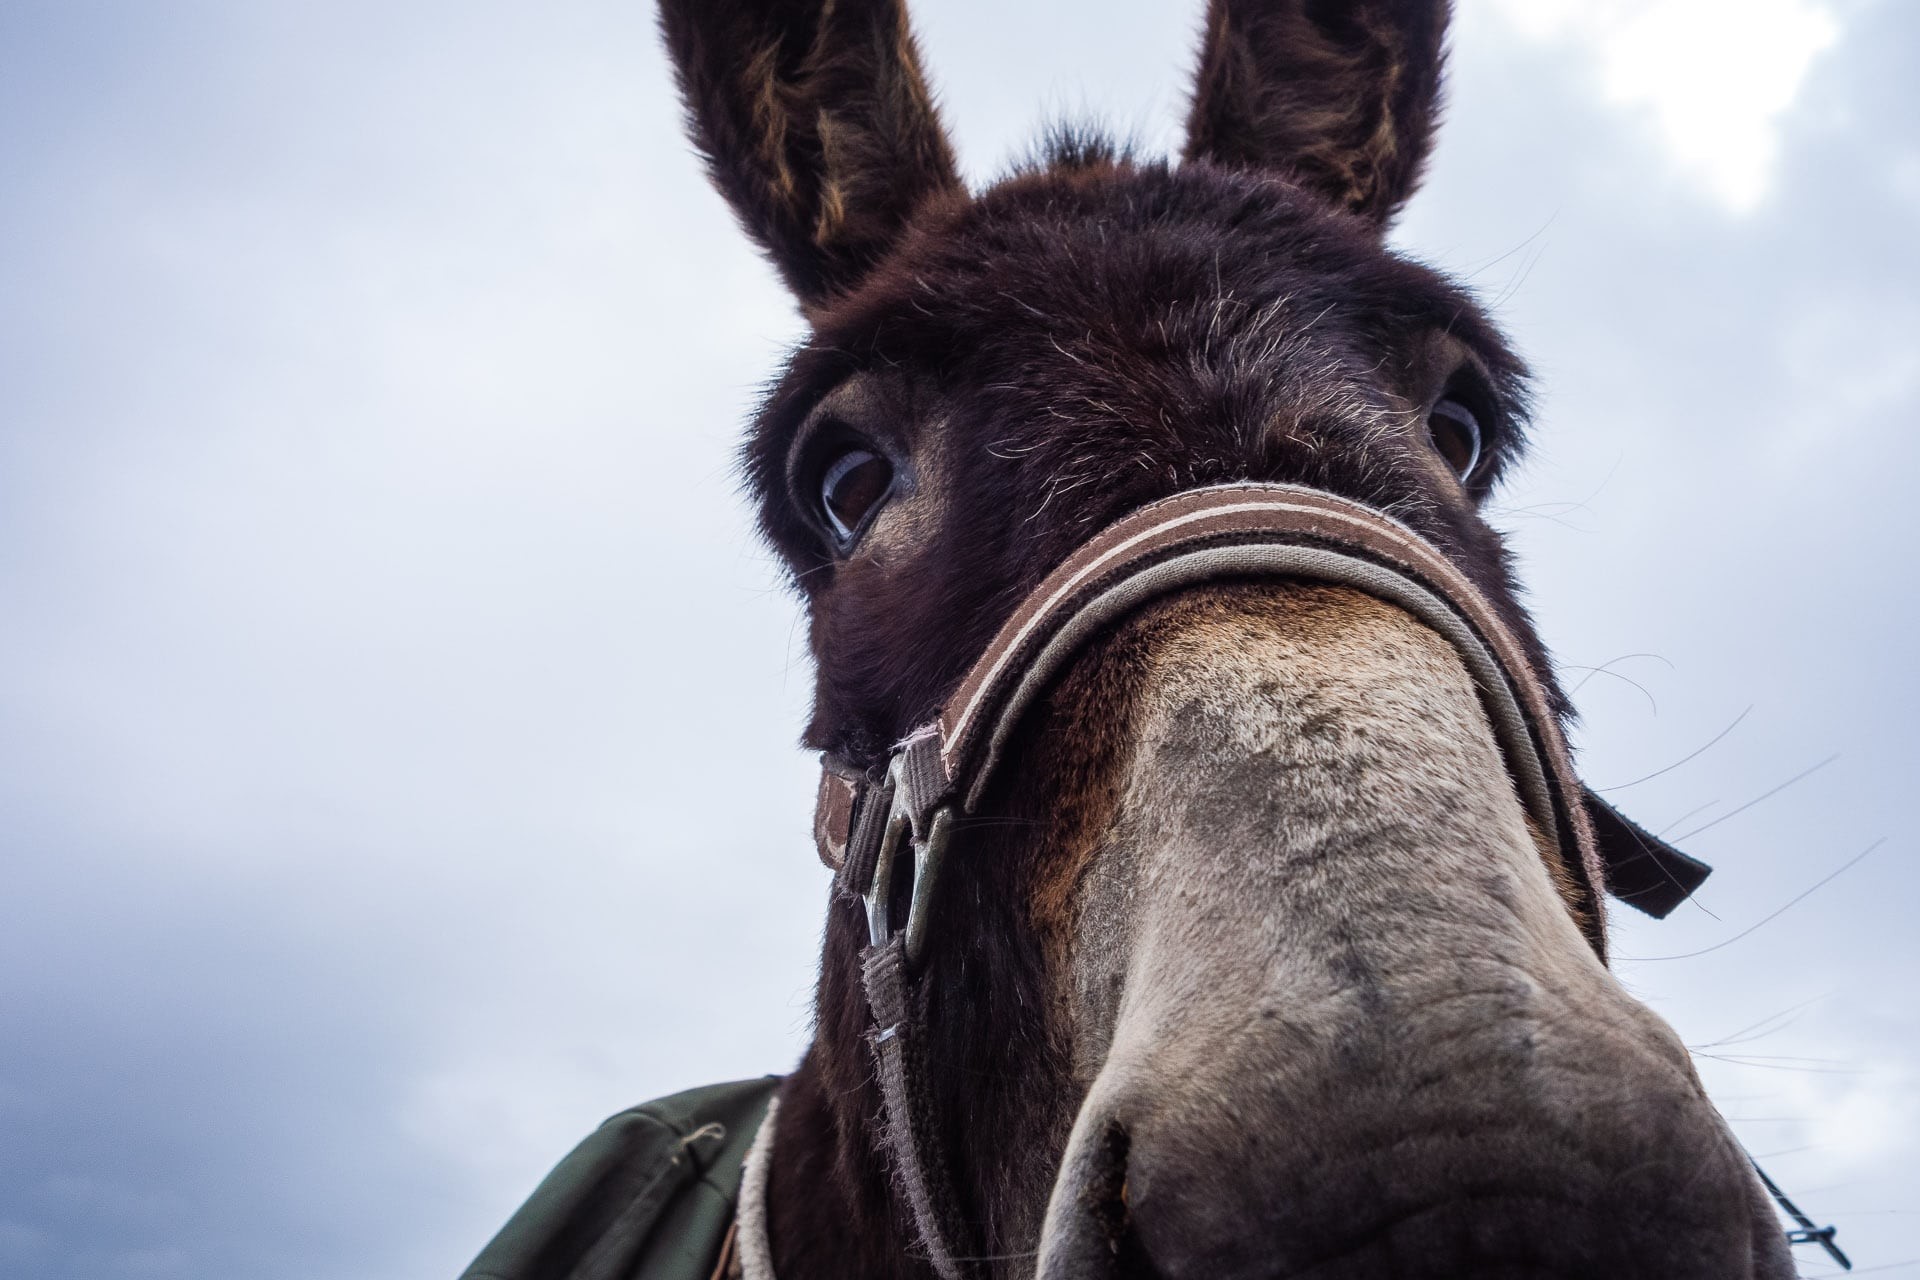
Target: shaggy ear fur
(1342,94)
(816,126)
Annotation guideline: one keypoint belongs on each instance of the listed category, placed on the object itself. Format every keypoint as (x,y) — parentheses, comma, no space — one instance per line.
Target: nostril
(1104,1198)
(1091,1236)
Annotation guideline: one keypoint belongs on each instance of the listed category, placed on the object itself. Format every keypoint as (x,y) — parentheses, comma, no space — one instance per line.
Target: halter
(875,827)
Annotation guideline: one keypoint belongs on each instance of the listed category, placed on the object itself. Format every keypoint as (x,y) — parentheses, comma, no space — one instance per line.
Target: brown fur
(1343,96)
(1092,333)
(816,124)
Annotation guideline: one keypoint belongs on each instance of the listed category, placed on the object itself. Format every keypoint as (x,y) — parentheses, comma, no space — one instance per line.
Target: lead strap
(914,1143)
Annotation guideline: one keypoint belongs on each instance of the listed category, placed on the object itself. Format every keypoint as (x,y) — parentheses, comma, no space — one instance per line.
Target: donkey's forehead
(1172,303)
(1125,257)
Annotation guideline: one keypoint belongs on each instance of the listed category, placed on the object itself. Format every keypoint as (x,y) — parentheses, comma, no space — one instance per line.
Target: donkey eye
(853,485)
(1455,432)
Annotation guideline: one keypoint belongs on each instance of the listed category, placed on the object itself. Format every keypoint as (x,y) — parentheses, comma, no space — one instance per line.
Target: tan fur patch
(1352,691)
(766,98)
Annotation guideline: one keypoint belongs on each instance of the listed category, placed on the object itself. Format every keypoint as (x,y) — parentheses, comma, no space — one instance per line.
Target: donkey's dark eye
(851,487)
(1455,432)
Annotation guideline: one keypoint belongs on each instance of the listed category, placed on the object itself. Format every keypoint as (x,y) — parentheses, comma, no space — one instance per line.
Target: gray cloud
(1721,485)
(384,633)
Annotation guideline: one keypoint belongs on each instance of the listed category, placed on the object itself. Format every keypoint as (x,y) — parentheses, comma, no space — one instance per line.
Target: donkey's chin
(1358,1032)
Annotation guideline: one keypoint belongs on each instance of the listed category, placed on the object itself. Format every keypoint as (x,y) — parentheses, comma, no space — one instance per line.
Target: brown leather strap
(727,1265)
(1223,514)
(1643,871)
(833,815)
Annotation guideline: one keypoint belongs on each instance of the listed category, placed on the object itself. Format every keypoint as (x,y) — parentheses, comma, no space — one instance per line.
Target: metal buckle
(928,848)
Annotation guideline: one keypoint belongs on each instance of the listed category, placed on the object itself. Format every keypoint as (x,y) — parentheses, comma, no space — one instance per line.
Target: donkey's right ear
(816,126)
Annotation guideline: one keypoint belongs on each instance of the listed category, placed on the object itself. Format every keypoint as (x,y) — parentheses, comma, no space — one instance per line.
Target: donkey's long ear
(1341,93)
(815,123)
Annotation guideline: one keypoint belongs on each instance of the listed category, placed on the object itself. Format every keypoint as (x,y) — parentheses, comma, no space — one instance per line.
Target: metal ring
(927,855)
(929,848)
(880,884)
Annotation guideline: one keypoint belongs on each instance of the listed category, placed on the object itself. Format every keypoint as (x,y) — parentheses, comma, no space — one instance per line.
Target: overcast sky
(396,714)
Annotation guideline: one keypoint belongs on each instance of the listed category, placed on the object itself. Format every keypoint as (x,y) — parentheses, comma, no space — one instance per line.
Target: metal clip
(1806,1233)
(928,848)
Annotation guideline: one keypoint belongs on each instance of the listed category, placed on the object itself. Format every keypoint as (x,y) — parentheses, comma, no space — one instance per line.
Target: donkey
(1250,959)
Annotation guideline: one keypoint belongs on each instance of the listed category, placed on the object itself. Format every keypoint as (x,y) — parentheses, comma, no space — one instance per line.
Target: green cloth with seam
(649,1195)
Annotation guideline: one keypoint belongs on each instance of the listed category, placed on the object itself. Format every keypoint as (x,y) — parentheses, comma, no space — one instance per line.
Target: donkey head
(1252,963)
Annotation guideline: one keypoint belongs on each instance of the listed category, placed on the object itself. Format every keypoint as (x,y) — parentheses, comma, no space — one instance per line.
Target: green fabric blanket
(648,1195)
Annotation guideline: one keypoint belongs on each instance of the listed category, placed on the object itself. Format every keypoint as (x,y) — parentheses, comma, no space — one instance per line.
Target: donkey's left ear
(1340,94)
(816,125)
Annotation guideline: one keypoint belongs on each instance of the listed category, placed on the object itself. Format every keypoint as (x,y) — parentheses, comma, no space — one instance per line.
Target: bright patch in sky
(1716,76)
